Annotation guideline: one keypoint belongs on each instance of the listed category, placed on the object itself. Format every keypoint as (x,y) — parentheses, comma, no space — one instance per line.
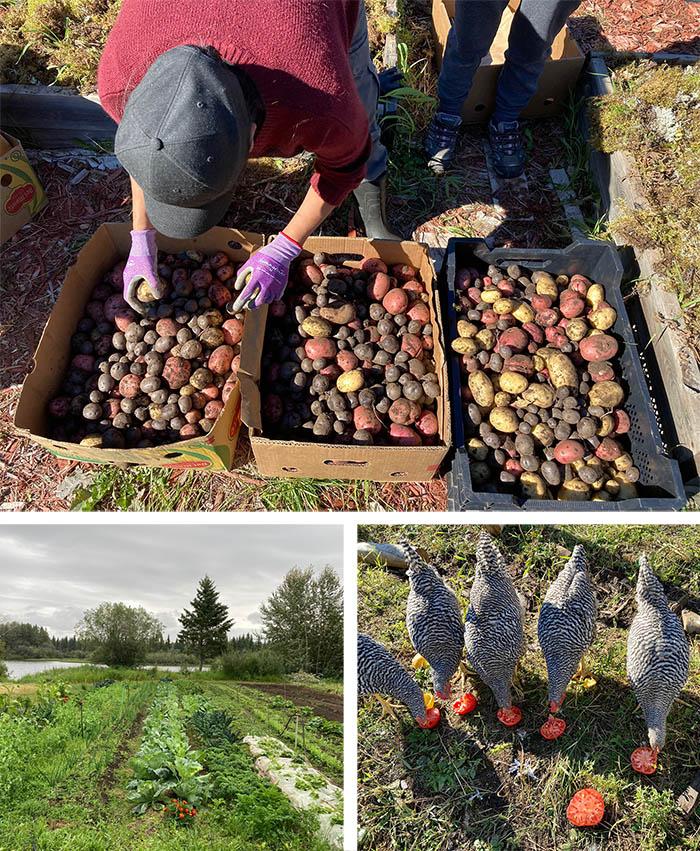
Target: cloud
(51,574)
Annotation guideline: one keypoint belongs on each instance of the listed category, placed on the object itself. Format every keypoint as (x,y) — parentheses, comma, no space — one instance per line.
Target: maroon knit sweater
(296,53)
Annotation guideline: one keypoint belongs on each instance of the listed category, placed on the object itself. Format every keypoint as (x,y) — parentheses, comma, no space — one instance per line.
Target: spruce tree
(205,628)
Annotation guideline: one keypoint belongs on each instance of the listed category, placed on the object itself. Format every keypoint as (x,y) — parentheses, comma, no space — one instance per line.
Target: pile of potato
(140,381)
(543,400)
(348,356)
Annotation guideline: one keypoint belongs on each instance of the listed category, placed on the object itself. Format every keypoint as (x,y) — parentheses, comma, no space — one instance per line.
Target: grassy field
(78,753)
(471,783)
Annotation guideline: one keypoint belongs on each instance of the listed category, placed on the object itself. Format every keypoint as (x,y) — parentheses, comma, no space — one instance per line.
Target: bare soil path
(329,706)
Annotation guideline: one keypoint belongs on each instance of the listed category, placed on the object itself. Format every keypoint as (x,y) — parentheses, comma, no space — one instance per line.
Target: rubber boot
(371,199)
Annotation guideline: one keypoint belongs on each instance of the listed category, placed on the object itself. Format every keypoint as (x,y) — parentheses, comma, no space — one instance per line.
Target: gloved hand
(142,265)
(264,277)
(389,80)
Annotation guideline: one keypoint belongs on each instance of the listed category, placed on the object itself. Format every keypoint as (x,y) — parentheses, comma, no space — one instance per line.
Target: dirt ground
(328,706)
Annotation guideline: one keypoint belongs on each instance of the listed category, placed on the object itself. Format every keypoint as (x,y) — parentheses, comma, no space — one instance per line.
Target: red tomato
(510,717)
(586,808)
(466,704)
(432,719)
(553,728)
(644,760)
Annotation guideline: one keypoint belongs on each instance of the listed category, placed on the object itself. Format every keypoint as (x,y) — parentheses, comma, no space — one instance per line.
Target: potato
(351,382)
(373,265)
(395,302)
(540,395)
(607,426)
(486,339)
(365,418)
(570,304)
(502,400)
(533,486)
(545,285)
(314,326)
(608,449)
(378,286)
(420,312)
(212,337)
(512,382)
(562,372)
(347,361)
(504,420)
(601,371)
(481,389)
(318,348)
(464,346)
(404,411)
(622,421)
(594,295)
(603,318)
(504,305)
(427,424)
(577,329)
(598,347)
(574,490)
(543,434)
(220,360)
(514,338)
(568,451)
(606,394)
(490,295)
(340,315)
(402,435)
(524,313)
(413,344)
(466,329)
(213,408)
(129,386)
(233,331)
(520,363)
(176,372)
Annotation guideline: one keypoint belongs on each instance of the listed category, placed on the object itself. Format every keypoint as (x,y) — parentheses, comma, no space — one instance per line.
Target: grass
(471,783)
(653,114)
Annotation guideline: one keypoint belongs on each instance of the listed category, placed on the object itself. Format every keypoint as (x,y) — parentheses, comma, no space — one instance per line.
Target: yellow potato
(504,305)
(540,395)
(314,326)
(350,382)
(504,420)
(576,329)
(624,462)
(502,400)
(534,486)
(466,328)
(465,346)
(477,449)
(544,434)
(486,339)
(513,382)
(612,486)
(524,313)
(481,388)
(603,318)
(574,490)
(491,295)
(545,285)
(606,427)
(594,295)
(562,372)
(601,496)
(606,394)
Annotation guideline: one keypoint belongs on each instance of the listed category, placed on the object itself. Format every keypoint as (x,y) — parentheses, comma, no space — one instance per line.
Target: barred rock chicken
(434,621)
(378,672)
(493,633)
(658,660)
(565,630)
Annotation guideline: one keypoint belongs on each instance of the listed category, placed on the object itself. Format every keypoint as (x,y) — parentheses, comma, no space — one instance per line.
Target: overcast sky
(50,574)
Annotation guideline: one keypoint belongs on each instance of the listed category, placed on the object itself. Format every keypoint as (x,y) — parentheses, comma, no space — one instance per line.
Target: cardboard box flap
(249,368)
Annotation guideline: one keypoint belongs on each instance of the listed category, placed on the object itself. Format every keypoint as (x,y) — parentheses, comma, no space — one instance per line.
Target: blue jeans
(535,26)
(367,84)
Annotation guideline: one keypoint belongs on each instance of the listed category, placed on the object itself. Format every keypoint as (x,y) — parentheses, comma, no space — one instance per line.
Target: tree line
(302,630)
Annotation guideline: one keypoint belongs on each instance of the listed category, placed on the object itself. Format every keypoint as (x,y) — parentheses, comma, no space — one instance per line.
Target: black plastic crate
(660,477)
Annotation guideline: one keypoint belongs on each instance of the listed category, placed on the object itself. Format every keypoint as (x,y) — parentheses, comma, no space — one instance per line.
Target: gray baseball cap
(184,138)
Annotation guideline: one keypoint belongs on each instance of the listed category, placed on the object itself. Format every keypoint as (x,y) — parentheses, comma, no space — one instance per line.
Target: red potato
(534,331)
(413,344)
(541,302)
(427,424)
(404,412)
(547,318)
(219,294)
(395,302)
(514,338)
(220,359)
(193,416)
(601,370)
(210,392)
(622,421)
(513,466)
(219,259)
(402,435)
(111,407)
(227,389)
(579,283)
(201,278)
(520,363)
(373,264)
(414,287)
(278,308)
(568,451)
(599,347)
(310,275)
(489,317)
(474,294)
(403,272)
(233,331)
(506,287)
(167,327)
(463,279)
(213,409)
(608,449)
(115,278)
(420,312)
(347,361)
(428,343)
(378,286)
(365,418)
(332,371)
(320,347)
(129,386)
(225,273)
(124,317)
(176,372)
(555,336)
(189,430)
(571,304)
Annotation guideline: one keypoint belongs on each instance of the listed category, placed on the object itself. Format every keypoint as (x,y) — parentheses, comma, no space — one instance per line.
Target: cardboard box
(21,194)
(331,461)
(109,244)
(558,77)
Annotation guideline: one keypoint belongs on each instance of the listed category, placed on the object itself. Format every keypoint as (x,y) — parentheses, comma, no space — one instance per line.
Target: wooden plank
(620,188)
(49,118)
(688,800)
(562,186)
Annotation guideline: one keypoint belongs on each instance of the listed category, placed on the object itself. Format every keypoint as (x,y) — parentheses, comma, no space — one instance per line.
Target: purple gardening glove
(264,277)
(142,265)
